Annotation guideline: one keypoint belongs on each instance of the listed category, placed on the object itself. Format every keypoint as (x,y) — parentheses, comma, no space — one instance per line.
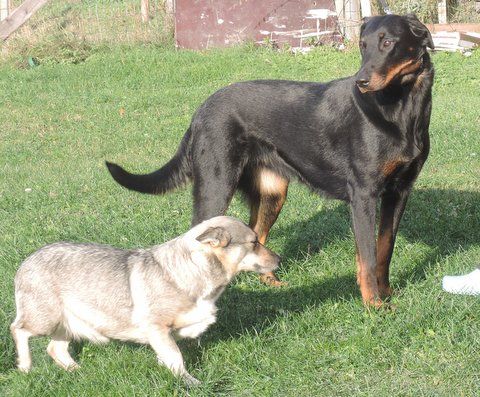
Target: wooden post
(170,6)
(442,11)
(4,9)
(19,16)
(352,19)
(366,8)
(144,10)
(340,9)
(348,13)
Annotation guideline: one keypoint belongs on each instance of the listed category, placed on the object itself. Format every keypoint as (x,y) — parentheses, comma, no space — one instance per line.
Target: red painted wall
(202,24)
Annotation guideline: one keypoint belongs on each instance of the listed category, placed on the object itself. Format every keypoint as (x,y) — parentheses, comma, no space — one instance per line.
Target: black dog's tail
(176,173)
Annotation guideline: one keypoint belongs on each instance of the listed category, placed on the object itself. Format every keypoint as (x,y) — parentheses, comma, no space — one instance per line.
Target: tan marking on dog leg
(368,286)
(272,280)
(269,182)
(384,249)
(357,261)
(390,166)
(272,189)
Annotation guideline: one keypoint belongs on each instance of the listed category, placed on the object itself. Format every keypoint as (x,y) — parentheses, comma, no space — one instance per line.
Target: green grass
(58,123)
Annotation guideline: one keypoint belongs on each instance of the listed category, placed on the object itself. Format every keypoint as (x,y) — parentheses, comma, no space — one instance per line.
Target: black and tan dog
(356,139)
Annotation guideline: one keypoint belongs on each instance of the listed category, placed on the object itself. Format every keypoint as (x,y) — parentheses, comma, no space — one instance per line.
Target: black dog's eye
(387,43)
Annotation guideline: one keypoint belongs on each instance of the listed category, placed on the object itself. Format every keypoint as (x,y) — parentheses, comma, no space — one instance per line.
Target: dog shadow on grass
(443,220)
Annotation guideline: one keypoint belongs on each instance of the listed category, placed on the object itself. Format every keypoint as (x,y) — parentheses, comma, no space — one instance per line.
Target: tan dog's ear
(215,236)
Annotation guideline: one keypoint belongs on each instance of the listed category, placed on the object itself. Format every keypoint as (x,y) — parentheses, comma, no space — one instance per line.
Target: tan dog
(87,291)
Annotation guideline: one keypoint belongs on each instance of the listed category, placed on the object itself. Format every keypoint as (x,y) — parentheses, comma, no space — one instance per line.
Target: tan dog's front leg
(169,354)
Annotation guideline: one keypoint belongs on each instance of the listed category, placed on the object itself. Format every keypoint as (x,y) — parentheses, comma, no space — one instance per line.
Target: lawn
(58,124)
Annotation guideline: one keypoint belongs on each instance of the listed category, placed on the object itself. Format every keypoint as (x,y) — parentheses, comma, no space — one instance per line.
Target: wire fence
(99,21)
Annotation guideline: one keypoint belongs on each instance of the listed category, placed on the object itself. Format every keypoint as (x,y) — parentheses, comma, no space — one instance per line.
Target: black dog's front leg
(391,211)
(363,219)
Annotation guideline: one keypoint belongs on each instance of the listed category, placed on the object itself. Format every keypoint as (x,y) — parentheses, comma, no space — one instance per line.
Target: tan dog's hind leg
(24,358)
(266,204)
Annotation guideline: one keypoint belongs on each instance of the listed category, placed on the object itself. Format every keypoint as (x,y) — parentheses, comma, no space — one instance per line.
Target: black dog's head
(392,46)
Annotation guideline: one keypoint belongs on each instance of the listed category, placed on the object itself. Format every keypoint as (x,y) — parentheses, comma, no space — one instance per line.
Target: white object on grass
(468,284)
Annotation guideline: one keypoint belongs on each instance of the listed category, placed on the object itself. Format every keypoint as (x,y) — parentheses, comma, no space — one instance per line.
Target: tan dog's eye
(387,43)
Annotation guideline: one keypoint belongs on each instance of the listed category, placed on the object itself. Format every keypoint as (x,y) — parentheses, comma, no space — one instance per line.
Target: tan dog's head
(236,246)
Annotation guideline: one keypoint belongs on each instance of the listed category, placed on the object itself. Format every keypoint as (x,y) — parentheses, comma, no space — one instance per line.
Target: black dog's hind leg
(211,198)
(391,211)
(216,173)
(266,192)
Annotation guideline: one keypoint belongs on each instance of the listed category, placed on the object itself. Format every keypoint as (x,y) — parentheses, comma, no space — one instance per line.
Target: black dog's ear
(215,236)
(364,23)
(420,30)
(366,19)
